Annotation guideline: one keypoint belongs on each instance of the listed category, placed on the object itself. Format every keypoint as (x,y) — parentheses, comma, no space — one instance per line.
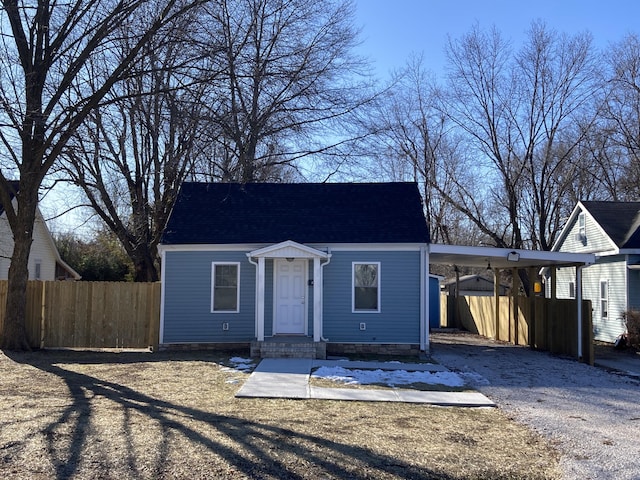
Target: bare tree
(48,50)
(412,141)
(623,115)
(524,115)
(135,149)
(559,78)
(288,77)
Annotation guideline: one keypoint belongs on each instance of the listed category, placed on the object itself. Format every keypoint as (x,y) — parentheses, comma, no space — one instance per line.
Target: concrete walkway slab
(409,367)
(289,378)
(278,378)
(445,399)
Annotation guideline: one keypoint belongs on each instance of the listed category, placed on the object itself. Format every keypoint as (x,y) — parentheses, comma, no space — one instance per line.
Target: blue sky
(393,29)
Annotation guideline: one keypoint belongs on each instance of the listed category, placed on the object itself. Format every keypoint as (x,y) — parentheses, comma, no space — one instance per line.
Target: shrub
(632,320)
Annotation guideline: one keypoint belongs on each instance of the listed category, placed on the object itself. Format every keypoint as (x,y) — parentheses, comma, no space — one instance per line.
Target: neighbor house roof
(231,213)
(14,184)
(619,220)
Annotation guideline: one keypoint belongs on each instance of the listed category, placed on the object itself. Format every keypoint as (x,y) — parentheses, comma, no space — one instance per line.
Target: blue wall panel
(187,309)
(399,318)
(434,303)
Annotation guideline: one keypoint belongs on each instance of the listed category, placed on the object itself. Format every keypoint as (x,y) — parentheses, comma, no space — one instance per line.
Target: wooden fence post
(43,323)
(515,289)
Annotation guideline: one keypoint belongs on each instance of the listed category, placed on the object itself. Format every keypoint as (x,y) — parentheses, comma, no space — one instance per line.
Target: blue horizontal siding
(434,303)
(399,318)
(187,299)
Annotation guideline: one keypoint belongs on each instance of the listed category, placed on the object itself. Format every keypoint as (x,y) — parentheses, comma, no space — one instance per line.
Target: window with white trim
(604,298)
(366,286)
(225,291)
(572,289)
(582,228)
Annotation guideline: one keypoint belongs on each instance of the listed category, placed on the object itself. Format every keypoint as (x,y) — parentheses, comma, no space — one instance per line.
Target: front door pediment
(288,249)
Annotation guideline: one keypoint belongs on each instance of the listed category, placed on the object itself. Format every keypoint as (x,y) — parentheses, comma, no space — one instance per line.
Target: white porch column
(317,300)
(260,300)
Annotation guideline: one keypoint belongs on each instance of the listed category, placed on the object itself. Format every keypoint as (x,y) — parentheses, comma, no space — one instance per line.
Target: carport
(498,259)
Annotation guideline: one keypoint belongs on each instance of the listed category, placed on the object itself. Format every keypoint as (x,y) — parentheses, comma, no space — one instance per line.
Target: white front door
(290,301)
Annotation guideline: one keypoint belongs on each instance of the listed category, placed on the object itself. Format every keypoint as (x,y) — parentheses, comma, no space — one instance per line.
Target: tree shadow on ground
(250,448)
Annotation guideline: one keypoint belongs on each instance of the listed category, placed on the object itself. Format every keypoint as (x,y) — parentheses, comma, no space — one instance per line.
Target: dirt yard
(148,416)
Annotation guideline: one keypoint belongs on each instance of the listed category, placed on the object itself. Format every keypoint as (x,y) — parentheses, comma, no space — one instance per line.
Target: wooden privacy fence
(544,324)
(92,315)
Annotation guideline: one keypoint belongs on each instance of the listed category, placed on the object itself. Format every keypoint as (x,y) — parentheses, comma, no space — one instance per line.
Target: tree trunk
(145,268)
(14,333)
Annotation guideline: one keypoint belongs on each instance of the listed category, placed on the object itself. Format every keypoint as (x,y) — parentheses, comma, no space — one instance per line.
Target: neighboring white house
(44,260)
(611,231)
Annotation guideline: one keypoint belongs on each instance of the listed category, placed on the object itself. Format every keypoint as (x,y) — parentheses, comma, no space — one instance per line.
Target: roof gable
(13,185)
(619,220)
(45,233)
(231,213)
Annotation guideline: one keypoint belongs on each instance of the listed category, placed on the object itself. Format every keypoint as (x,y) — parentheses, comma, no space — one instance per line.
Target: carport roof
(504,257)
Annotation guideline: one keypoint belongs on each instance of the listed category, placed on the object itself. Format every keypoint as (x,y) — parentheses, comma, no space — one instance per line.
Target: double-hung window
(582,228)
(225,291)
(366,287)
(604,298)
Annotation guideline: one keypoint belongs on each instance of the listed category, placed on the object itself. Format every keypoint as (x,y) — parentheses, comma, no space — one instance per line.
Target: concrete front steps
(289,347)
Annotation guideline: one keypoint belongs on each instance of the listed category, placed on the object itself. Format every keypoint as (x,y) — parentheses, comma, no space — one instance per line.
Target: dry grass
(86,416)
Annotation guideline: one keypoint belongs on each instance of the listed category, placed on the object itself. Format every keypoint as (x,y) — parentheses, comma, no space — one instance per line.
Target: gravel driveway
(591,415)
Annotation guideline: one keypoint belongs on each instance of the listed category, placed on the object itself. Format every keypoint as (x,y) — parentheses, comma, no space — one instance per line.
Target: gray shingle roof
(619,220)
(230,213)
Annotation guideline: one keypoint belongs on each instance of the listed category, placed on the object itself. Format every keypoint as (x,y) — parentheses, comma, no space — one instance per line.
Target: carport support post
(457,323)
(532,307)
(496,300)
(550,322)
(515,288)
(579,309)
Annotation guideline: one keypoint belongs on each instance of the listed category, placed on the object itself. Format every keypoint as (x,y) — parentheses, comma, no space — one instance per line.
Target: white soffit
(504,257)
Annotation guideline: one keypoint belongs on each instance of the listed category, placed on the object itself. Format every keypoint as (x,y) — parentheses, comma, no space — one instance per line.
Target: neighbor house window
(572,289)
(604,298)
(582,230)
(224,289)
(38,270)
(366,287)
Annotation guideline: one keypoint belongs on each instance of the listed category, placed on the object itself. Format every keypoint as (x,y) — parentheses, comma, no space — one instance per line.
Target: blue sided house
(335,267)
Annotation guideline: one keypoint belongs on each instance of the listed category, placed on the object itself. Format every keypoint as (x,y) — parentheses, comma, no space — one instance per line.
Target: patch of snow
(240,360)
(391,378)
(239,363)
